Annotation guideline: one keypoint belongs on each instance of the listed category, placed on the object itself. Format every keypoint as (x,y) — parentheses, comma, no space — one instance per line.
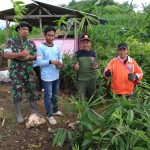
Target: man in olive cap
(85,64)
(22,52)
(124,71)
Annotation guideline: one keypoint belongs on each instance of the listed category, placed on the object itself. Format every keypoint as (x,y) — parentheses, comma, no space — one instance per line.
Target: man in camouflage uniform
(22,52)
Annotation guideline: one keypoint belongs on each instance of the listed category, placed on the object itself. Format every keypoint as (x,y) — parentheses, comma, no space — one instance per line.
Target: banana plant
(86,20)
(20,10)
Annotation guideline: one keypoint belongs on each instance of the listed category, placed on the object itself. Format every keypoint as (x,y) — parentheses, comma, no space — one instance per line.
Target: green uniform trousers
(87,88)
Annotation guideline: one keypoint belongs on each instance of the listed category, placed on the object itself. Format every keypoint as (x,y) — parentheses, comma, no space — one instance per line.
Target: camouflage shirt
(20,69)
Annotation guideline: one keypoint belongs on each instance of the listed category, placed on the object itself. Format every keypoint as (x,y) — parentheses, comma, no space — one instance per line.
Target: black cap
(85,37)
(122,45)
(23,24)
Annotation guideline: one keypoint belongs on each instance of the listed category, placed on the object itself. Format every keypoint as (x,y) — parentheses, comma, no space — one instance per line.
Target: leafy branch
(20,10)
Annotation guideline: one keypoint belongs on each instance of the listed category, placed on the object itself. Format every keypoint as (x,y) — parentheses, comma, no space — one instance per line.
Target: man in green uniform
(84,62)
(22,52)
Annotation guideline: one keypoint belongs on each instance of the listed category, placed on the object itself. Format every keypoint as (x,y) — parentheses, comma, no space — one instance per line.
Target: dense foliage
(116,123)
(111,123)
(124,25)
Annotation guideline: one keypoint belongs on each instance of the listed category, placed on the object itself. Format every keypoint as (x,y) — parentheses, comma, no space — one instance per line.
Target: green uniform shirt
(85,59)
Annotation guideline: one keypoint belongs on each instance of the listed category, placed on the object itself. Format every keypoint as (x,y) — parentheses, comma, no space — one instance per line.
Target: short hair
(49,28)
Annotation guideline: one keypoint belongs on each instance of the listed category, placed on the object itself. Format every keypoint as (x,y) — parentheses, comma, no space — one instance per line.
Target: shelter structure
(40,14)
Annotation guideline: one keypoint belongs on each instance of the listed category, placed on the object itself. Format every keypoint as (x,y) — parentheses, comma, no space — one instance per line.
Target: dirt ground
(15,136)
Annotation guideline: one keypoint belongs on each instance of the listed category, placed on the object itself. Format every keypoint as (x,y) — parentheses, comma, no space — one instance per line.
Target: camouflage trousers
(19,85)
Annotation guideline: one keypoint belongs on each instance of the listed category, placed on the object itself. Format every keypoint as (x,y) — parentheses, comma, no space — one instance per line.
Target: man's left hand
(59,66)
(132,77)
(94,65)
(26,58)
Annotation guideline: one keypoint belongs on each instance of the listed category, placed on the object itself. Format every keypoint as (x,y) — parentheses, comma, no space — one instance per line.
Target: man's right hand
(19,55)
(132,77)
(24,53)
(108,73)
(76,67)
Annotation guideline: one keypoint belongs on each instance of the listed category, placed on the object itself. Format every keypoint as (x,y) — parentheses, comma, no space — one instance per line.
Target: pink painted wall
(67,46)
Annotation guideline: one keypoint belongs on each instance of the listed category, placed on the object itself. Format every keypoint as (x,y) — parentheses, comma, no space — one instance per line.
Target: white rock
(34,121)
(4,76)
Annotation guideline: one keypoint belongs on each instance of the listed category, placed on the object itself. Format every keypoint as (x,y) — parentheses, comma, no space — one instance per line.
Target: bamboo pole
(7,25)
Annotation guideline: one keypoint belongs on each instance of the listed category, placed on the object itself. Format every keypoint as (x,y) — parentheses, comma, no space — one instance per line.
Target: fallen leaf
(36,145)
(3,122)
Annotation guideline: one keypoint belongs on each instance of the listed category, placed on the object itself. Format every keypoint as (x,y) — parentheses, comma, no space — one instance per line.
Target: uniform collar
(18,38)
(129,59)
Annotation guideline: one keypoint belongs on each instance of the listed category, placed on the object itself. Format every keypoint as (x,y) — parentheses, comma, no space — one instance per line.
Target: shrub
(124,124)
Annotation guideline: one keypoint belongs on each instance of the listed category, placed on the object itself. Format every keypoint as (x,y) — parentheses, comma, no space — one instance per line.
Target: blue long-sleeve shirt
(49,72)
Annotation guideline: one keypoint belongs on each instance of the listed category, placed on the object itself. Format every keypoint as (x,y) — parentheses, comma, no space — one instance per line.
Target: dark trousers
(38,73)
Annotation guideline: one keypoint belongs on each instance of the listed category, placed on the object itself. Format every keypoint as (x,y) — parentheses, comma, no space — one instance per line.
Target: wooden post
(7,25)
(40,21)
(76,45)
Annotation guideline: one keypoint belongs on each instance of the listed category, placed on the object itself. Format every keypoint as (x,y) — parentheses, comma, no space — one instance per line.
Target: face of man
(122,52)
(23,32)
(86,45)
(50,36)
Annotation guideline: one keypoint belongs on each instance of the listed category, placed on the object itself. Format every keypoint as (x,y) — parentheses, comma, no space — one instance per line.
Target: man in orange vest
(124,71)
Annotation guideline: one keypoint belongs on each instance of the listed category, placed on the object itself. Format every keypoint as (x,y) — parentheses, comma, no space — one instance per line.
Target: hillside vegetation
(109,122)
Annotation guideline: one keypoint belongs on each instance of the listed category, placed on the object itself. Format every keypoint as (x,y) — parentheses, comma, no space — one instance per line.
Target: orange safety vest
(119,71)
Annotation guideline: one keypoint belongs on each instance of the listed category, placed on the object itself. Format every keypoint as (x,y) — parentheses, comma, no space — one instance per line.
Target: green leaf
(96,131)
(133,139)
(93,117)
(138,148)
(106,133)
(69,135)
(59,137)
(96,138)
(88,125)
(88,134)
(56,137)
(19,9)
(86,142)
(62,137)
(130,117)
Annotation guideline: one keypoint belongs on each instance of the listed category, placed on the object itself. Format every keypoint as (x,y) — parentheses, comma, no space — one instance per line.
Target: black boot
(18,112)
(34,108)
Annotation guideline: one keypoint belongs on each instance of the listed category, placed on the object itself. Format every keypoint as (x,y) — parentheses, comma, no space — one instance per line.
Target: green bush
(140,52)
(123,125)
(67,74)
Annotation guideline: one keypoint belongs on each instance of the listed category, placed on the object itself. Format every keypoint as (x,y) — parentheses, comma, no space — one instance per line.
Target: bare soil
(15,136)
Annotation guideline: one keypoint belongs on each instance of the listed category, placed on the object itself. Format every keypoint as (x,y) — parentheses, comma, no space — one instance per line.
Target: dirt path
(16,137)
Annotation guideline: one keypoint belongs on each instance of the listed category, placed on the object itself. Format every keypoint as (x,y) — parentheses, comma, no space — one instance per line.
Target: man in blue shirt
(49,59)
